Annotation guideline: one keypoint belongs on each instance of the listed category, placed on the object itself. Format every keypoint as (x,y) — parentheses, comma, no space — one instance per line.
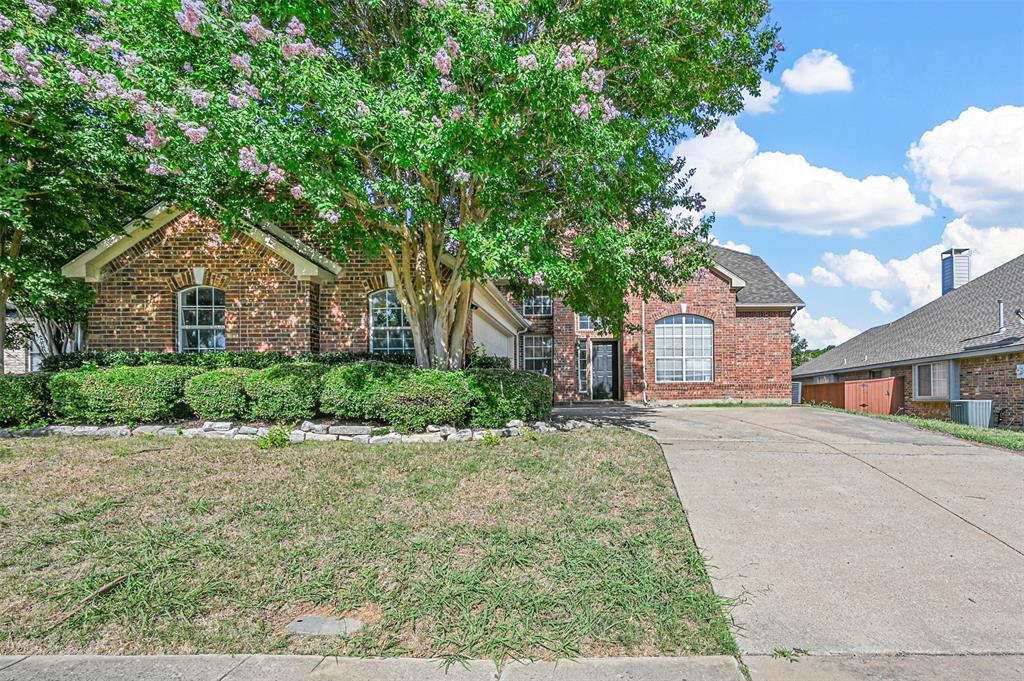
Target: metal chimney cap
(954,251)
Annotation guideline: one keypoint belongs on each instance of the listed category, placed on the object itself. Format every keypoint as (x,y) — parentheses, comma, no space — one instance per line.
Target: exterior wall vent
(956,268)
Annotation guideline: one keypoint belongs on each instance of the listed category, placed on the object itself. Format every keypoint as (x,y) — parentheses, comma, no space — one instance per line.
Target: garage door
(496,342)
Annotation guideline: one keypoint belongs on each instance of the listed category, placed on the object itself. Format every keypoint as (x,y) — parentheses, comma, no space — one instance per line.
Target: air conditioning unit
(972,412)
(798,392)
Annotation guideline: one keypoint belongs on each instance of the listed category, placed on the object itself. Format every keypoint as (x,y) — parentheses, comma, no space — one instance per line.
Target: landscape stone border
(308,431)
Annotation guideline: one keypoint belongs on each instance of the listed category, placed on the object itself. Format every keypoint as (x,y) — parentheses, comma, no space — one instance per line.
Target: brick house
(171,283)
(967,344)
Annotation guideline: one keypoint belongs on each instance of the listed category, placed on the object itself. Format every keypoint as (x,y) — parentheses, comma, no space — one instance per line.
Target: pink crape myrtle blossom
(14,93)
(461,175)
(362,109)
(581,108)
(536,279)
(453,47)
(296,192)
(5,24)
(242,62)
(565,59)
(114,45)
(158,169)
(307,48)
(190,15)
(528,62)
(41,12)
(436,120)
(330,216)
(593,79)
(458,112)
(295,28)
(194,132)
(630,251)
(237,101)
(448,87)
(249,162)
(443,61)
(200,98)
(275,174)
(779,46)
(678,232)
(255,30)
(609,112)
(95,14)
(78,77)
(20,54)
(668,260)
(107,3)
(588,51)
(249,89)
(405,112)
(128,60)
(152,136)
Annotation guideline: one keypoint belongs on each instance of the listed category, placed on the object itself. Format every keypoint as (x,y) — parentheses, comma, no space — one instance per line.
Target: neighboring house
(21,360)
(967,344)
(171,283)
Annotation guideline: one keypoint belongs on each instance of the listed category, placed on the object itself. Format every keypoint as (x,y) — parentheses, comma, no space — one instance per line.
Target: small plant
(276,438)
(492,439)
(379,431)
(6,453)
(792,655)
(200,506)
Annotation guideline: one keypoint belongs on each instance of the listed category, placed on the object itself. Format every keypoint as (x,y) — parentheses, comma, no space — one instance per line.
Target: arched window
(684,349)
(390,331)
(201,319)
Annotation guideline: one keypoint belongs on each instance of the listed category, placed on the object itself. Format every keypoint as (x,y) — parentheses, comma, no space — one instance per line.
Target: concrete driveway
(853,538)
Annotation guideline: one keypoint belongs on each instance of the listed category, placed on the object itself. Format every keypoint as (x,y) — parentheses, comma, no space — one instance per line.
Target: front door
(605,385)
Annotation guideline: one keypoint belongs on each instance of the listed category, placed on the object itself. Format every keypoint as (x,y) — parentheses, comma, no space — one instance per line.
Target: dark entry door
(605,370)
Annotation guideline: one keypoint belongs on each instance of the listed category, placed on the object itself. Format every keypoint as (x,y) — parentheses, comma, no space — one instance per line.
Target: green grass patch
(569,544)
(998,437)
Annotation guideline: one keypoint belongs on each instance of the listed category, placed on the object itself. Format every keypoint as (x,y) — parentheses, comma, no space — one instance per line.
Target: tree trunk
(3,327)
(437,301)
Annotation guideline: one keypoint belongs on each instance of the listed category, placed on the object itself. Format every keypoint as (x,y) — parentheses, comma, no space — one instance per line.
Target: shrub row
(214,360)
(402,396)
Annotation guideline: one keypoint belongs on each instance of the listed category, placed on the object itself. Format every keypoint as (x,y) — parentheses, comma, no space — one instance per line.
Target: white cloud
(764,102)
(879,301)
(822,276)
(732,245)
(822,331)
(974,164)
(913,281)
(818,71)
(784,190)
(796,280)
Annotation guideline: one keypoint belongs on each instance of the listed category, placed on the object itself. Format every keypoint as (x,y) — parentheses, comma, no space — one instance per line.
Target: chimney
(956,268)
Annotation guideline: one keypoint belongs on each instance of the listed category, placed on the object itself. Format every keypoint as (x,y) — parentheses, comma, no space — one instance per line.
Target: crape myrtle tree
(523,139)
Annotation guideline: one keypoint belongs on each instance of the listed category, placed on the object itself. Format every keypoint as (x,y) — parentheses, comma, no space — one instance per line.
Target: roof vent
(956,268)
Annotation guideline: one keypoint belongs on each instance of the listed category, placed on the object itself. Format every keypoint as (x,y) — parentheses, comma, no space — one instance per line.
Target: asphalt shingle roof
(763,286)
(964,320)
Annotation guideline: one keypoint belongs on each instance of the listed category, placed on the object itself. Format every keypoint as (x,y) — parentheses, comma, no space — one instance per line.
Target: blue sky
(859,86)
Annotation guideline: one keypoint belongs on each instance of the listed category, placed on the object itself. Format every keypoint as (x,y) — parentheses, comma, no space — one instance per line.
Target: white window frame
(665,323)
(403,329)
(538,300)
(582,359)
(544,342)
(184,327)
(932,381)
(591,324)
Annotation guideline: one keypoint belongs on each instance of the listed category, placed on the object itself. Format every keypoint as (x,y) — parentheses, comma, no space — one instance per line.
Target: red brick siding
(266,307)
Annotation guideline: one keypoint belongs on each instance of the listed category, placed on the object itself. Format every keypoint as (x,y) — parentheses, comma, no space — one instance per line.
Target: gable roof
(309,265)
(761,288)
(963,322)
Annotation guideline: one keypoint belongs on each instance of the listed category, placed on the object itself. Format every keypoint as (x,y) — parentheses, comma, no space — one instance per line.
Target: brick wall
(995,378)
(751,349)
(344,310)
(266,308)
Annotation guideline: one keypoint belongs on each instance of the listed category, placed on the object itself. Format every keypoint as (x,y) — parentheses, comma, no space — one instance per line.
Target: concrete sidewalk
(317,668)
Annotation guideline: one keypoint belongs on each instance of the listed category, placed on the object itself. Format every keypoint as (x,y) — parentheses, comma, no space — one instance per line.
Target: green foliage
(799,352)
(479,359)
(214,360)
(425,397)
(502,396)
(219,395)
(24,400)
(284,392)
(120,394)
(277,438)
(351,391)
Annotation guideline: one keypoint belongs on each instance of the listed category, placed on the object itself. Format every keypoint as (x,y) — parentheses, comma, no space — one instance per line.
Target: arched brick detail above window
(187,277)
(376,283)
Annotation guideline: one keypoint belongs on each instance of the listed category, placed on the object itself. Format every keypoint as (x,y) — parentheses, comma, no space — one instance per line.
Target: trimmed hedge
(352,391)
(219,395)
(503,395)
(213,360)
(425,397)
(284,392)
(24,400)
(120,394)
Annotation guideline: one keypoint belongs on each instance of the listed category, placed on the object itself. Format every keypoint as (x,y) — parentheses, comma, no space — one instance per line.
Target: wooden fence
(875,396)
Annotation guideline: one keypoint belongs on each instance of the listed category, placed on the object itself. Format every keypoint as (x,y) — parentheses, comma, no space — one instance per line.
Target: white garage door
(496,342)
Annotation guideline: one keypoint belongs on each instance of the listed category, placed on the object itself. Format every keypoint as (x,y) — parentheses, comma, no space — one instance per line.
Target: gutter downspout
(643,349)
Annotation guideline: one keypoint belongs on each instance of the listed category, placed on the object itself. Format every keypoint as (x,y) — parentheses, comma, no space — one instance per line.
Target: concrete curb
(316,667)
